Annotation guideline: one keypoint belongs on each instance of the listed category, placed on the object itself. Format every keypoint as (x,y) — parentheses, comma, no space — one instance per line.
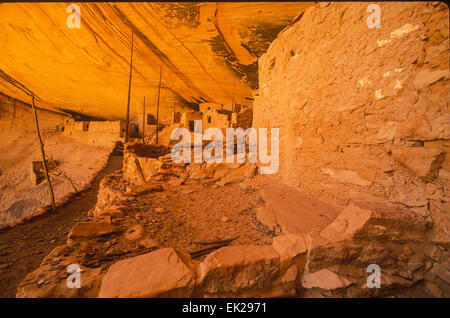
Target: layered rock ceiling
(208,52)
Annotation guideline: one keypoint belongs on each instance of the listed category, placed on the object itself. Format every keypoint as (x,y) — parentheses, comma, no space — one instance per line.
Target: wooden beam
(129,89)
(157,106)
(44,161)
(143,120)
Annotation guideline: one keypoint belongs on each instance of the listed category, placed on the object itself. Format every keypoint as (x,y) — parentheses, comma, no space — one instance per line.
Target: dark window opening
(209,119)
(151,120)
(191,125)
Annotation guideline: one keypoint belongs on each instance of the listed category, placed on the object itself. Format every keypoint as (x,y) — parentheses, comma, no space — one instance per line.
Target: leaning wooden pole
(44,161)
(157,106)
(129,89)
(143,120)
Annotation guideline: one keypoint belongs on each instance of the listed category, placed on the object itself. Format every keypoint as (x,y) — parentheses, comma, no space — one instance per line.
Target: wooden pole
(44,161)
(174,110)
(143,120)
(157,106)
(129,89)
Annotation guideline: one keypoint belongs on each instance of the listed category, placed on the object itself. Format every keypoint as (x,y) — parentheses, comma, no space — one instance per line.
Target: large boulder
(375,222)
(290,245)
(162,273)
(347,258)
(245,271)
(292,249)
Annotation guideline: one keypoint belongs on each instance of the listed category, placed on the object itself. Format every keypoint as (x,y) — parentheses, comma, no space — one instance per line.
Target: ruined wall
(98,133)
(16,116)
(363,113)
(168,102)
(204,107)
(244,118)
(216,119)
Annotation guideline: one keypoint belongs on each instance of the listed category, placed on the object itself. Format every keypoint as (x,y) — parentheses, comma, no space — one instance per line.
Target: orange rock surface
(208,52)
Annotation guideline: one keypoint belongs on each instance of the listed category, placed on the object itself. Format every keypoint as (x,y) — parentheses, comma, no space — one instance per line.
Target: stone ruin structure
(100,133)
(211,115)
(363,182)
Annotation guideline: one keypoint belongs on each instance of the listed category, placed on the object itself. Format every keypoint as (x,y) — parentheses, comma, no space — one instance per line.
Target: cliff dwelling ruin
(101,104)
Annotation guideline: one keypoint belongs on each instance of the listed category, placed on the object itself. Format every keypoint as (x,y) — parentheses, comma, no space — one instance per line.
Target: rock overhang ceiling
(207,52)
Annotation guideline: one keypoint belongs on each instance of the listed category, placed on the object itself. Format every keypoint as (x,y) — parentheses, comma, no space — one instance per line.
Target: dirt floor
(189,217)
(23,247)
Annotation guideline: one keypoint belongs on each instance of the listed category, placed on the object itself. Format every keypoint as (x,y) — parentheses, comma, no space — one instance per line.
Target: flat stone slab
(162,273)
(294,212)
(324,279)
(91,229)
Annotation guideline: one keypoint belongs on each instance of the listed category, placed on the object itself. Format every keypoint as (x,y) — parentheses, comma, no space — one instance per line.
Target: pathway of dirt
(23,247)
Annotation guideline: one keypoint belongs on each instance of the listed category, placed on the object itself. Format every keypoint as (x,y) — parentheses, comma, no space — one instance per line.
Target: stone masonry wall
(16,117)
(98,133)
(363,113)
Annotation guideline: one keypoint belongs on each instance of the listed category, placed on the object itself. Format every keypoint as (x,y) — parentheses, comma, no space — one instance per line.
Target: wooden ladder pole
(129,89)
(143,120)
(44,161)
(157,106)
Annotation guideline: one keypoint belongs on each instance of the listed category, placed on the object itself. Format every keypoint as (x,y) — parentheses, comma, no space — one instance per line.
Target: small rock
(134,233)
(407,250)
(148,243)
(159,210)
(56,268)
(2,266)
(224,219)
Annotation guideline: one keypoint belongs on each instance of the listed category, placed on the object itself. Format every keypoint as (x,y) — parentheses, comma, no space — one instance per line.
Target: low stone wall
(139,168)
(98,133)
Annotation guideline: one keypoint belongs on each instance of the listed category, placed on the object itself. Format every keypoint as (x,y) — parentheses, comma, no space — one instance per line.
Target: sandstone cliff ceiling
(208,52)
